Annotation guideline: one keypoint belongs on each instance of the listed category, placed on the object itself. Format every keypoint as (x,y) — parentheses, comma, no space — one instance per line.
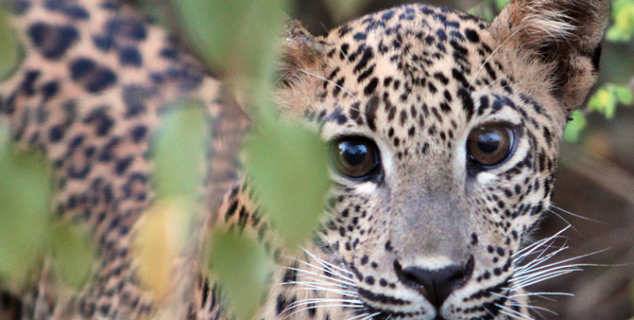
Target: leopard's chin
(376,313)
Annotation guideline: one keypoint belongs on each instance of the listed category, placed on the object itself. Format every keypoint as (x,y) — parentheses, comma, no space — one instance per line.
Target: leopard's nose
(434,284)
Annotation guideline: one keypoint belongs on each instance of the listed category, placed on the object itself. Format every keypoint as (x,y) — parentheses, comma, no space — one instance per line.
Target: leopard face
(444,134)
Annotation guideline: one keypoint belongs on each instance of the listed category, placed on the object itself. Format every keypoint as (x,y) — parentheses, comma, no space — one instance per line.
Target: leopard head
(444,133)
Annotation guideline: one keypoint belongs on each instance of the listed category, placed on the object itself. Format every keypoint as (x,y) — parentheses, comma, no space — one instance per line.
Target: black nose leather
(434,284)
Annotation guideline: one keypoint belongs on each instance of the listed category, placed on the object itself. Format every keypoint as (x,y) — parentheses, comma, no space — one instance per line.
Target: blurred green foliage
(72,254)
(9,53)
(179,151)
(285,161)
(27,228)
(242,266)
(24,207)
(288,168)
(238,38)
(623,16)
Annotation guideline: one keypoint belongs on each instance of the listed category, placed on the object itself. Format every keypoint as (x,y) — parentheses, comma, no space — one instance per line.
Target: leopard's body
(415,81)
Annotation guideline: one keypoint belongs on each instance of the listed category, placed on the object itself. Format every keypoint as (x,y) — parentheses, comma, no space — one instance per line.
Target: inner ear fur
(303,59)
(559,40)
(301,53)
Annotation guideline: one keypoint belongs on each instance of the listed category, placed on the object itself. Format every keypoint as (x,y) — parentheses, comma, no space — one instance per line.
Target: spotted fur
(414,79)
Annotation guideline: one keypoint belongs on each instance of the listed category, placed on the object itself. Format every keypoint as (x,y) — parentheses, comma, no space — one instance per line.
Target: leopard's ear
(302,53)
(302,64)
(561,39)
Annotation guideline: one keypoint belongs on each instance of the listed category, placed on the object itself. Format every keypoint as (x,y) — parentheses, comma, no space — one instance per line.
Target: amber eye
(355,157)
(490,145)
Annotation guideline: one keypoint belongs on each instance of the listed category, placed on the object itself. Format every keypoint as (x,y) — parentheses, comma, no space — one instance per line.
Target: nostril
(434,284)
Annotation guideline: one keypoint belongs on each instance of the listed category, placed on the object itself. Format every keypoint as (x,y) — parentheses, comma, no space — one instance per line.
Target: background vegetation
(596,179)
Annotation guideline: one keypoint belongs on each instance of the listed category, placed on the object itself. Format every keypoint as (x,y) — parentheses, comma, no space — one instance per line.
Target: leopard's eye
(355,157)
(490,145)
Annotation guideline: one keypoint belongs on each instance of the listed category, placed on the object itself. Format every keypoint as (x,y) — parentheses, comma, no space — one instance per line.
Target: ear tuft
(563,36)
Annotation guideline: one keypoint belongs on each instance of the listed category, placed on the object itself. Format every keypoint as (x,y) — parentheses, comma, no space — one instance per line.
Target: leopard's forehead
(386,30)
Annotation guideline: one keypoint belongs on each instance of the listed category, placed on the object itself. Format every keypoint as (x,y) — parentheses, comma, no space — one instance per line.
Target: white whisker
(576,215)
(350,283)
(329,81)
(326,263)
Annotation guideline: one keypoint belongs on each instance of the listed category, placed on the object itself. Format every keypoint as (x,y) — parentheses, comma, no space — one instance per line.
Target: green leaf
(240,34)
(24,207)
(9,53)
(575,127)
(288,167)
(603,100)
(624,95)
(72,254)
(179,151)
(242,267)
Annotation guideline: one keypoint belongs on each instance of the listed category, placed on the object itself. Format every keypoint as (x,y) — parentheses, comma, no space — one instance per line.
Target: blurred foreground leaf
(24,207)
(242,267)
(9,53)
(288,166)
(179,152)
(238,36)
(161,235)
(72,254)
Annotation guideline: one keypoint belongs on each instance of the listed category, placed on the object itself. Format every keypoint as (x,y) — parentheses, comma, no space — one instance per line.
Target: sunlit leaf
(9,53)
(179,151)
(24,208)
(72,254)
(241,265)
(161,236)
(624,95)
(623,16)
(288,167)
(603,101)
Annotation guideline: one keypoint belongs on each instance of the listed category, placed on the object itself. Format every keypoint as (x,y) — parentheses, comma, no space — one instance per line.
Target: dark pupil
(489,142)
(353,153)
